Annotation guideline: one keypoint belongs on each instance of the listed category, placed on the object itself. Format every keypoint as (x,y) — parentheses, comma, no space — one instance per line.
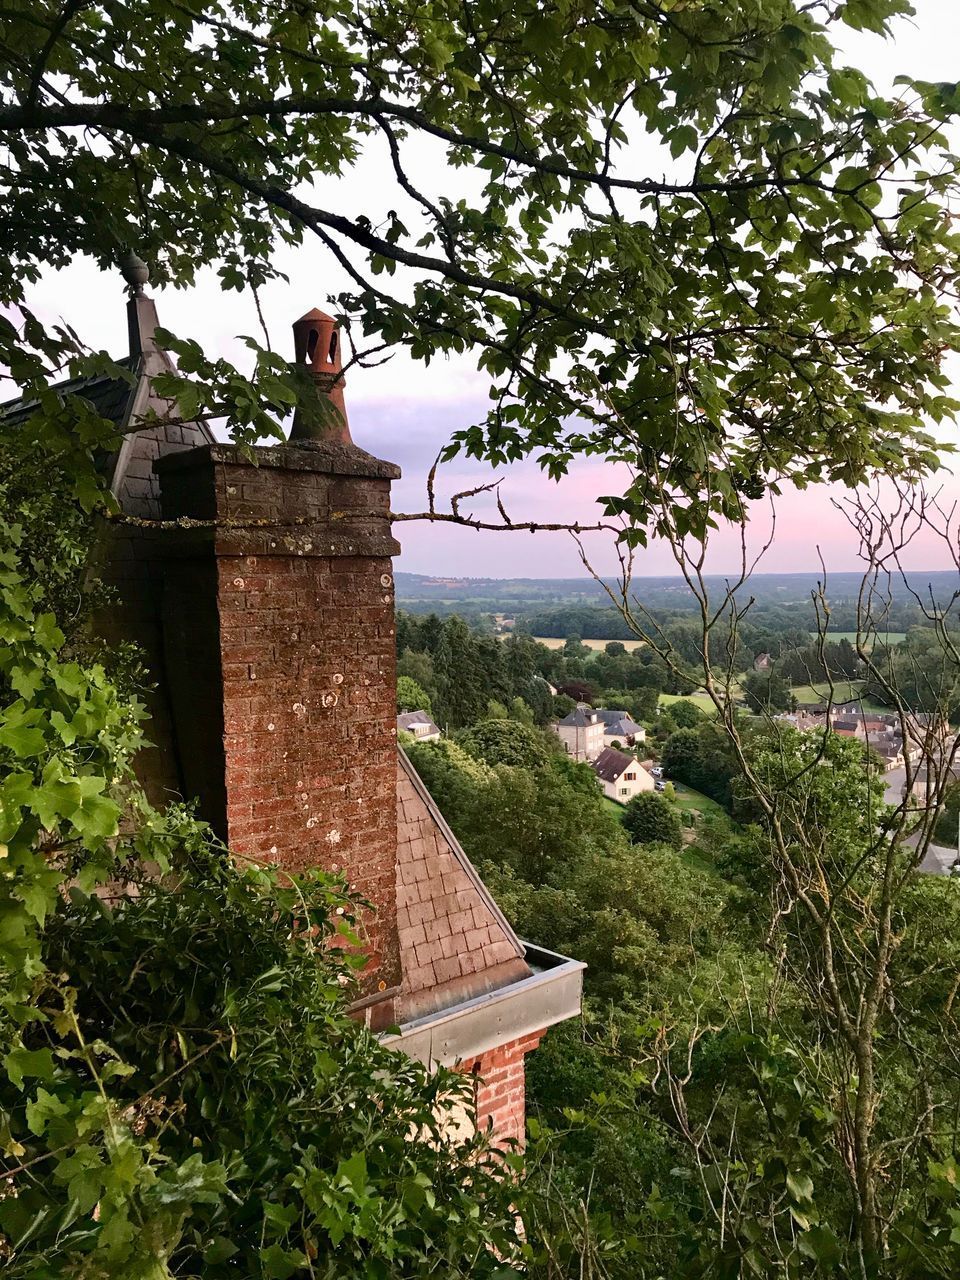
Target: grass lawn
(698,699)
(843,691)
(612,807)
(690,801)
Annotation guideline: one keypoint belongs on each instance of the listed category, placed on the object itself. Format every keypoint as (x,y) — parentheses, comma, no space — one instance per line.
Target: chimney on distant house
(280,652)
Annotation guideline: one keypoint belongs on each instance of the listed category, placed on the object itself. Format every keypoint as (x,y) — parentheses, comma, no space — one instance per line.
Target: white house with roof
(581,733)
(621,776)
(419,724)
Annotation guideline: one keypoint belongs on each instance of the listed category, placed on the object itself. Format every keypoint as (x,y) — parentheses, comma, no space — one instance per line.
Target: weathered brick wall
(500,1090)
(129,563)
(296,630)
(309,726)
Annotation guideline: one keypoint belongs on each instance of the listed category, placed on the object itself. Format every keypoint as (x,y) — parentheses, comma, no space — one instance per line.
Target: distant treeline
(421,593)
(579,622)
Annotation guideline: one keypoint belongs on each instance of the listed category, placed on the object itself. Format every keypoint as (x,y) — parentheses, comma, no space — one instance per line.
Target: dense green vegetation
(651,819)
(764,1083)
(697,1067)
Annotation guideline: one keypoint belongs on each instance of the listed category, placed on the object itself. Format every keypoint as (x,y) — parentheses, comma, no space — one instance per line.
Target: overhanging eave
(551,994)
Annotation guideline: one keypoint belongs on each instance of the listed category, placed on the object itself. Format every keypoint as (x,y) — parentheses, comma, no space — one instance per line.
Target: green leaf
(219,1250)
(21,1063)
(279,1263)
(800,1187)
(22,740)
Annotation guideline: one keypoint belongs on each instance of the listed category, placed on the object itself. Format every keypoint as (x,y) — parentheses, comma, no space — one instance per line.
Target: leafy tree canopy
(770,301)
(767,691)
(411,696)
(686,715)
(651,819)
(506,742)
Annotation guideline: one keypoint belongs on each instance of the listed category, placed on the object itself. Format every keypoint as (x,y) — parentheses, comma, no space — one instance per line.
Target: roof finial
(136,273)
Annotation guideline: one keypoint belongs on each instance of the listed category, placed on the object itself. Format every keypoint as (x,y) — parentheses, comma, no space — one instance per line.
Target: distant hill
(418,591)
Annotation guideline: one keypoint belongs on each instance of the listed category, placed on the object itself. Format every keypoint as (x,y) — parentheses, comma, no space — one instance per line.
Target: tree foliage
(412,696)
(506,742)
(702,759)
(767,691)
(650,818)
(686,715)
(774,305)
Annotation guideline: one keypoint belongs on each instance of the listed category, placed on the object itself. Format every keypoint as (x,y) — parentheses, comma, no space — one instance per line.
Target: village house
(581,733)
(419,724)
(620,727)
(621,776)
(881,731)
(260,592)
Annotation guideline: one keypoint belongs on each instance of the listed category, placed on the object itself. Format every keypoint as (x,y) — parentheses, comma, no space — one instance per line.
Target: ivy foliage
(182,1092)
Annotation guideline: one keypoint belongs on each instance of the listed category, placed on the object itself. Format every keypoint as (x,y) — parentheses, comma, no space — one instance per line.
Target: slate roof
(578,719)
(407,719)
(130,470)
(110,397)
(455,942)
(611,763)
(624,728)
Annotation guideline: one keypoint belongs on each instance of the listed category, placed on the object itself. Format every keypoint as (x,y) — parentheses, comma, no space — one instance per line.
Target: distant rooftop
(578,719)
(611,763)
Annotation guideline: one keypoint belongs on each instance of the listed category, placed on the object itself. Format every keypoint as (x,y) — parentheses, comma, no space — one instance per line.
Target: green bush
(651,819)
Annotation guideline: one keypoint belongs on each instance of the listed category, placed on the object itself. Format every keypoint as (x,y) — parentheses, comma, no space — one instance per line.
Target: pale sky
(405,412)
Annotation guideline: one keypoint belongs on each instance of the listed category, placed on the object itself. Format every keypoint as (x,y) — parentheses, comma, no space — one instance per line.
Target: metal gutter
(551,994)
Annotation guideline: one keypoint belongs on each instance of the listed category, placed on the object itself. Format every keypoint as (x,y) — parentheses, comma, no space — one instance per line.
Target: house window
(629,776)
(624,791)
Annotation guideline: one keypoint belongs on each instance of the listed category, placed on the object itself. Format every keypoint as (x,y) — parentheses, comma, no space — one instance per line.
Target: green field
(698,699)
(885,637)
(690,801)
(843,691)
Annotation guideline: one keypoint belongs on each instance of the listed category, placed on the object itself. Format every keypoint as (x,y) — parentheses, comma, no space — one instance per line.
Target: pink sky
(405,412)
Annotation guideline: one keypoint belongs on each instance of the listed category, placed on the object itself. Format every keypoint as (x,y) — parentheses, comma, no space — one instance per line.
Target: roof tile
(454,941)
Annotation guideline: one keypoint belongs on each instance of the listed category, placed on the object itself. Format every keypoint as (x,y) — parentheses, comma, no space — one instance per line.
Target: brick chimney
(280,652)
(262,603)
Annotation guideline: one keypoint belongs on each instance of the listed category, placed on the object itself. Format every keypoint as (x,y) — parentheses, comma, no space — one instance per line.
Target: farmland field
(698,699)
(554,642)
(884,637)
(843,691)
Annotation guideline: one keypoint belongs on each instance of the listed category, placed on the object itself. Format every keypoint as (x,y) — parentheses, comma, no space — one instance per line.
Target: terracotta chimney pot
(316,340)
